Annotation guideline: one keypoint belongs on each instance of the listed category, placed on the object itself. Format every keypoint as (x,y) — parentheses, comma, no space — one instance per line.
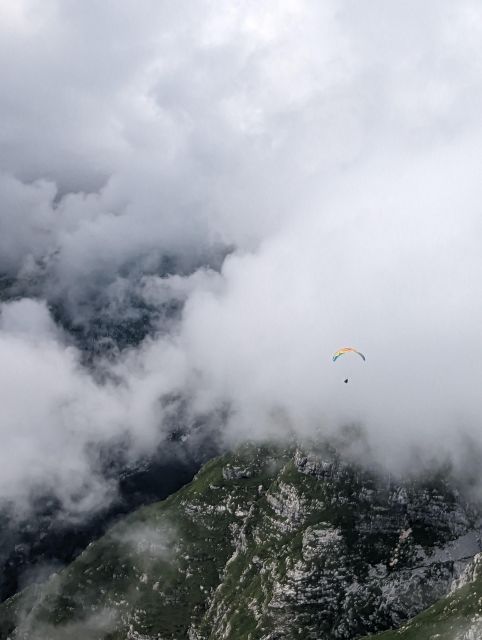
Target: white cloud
(336,146)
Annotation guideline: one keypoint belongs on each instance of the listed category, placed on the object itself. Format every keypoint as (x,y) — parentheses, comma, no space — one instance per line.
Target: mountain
(265,543)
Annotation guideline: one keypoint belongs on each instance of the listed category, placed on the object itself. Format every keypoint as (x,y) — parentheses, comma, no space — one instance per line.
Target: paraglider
(344,350)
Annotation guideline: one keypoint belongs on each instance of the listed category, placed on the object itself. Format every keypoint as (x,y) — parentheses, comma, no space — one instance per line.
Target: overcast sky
(333,147)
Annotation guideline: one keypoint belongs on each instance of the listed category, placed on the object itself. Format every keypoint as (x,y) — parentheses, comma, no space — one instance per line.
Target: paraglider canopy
(344,350)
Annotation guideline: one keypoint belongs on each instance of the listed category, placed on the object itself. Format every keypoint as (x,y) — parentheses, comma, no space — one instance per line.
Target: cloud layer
(258,185)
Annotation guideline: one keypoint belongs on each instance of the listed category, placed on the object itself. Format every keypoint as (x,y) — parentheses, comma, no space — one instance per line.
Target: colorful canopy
(344,350)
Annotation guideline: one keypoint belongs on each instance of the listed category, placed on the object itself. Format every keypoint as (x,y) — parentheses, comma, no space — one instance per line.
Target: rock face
(263,544)
(457,616)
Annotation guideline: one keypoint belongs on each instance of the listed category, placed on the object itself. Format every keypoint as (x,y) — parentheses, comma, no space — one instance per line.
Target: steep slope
(263,544)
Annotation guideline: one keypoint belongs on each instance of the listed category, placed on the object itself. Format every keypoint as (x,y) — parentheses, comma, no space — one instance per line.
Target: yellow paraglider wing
(344,350)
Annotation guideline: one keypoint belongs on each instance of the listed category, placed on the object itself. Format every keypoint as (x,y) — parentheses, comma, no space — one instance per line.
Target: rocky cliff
(457,616)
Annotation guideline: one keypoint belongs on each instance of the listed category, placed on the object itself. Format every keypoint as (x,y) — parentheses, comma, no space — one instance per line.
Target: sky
(293,176)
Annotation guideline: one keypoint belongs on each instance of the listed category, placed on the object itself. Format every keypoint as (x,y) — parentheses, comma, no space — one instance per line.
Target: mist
(206,202)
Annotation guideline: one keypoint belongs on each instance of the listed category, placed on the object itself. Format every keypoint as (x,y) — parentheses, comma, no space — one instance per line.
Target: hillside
(263,544)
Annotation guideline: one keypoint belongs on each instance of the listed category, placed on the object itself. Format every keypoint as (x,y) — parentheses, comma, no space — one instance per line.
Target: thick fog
(252,186)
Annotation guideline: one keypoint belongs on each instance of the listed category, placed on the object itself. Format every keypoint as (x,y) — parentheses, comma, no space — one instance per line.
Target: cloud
(146,545)
(255,185)
(51,410)
(29,320)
